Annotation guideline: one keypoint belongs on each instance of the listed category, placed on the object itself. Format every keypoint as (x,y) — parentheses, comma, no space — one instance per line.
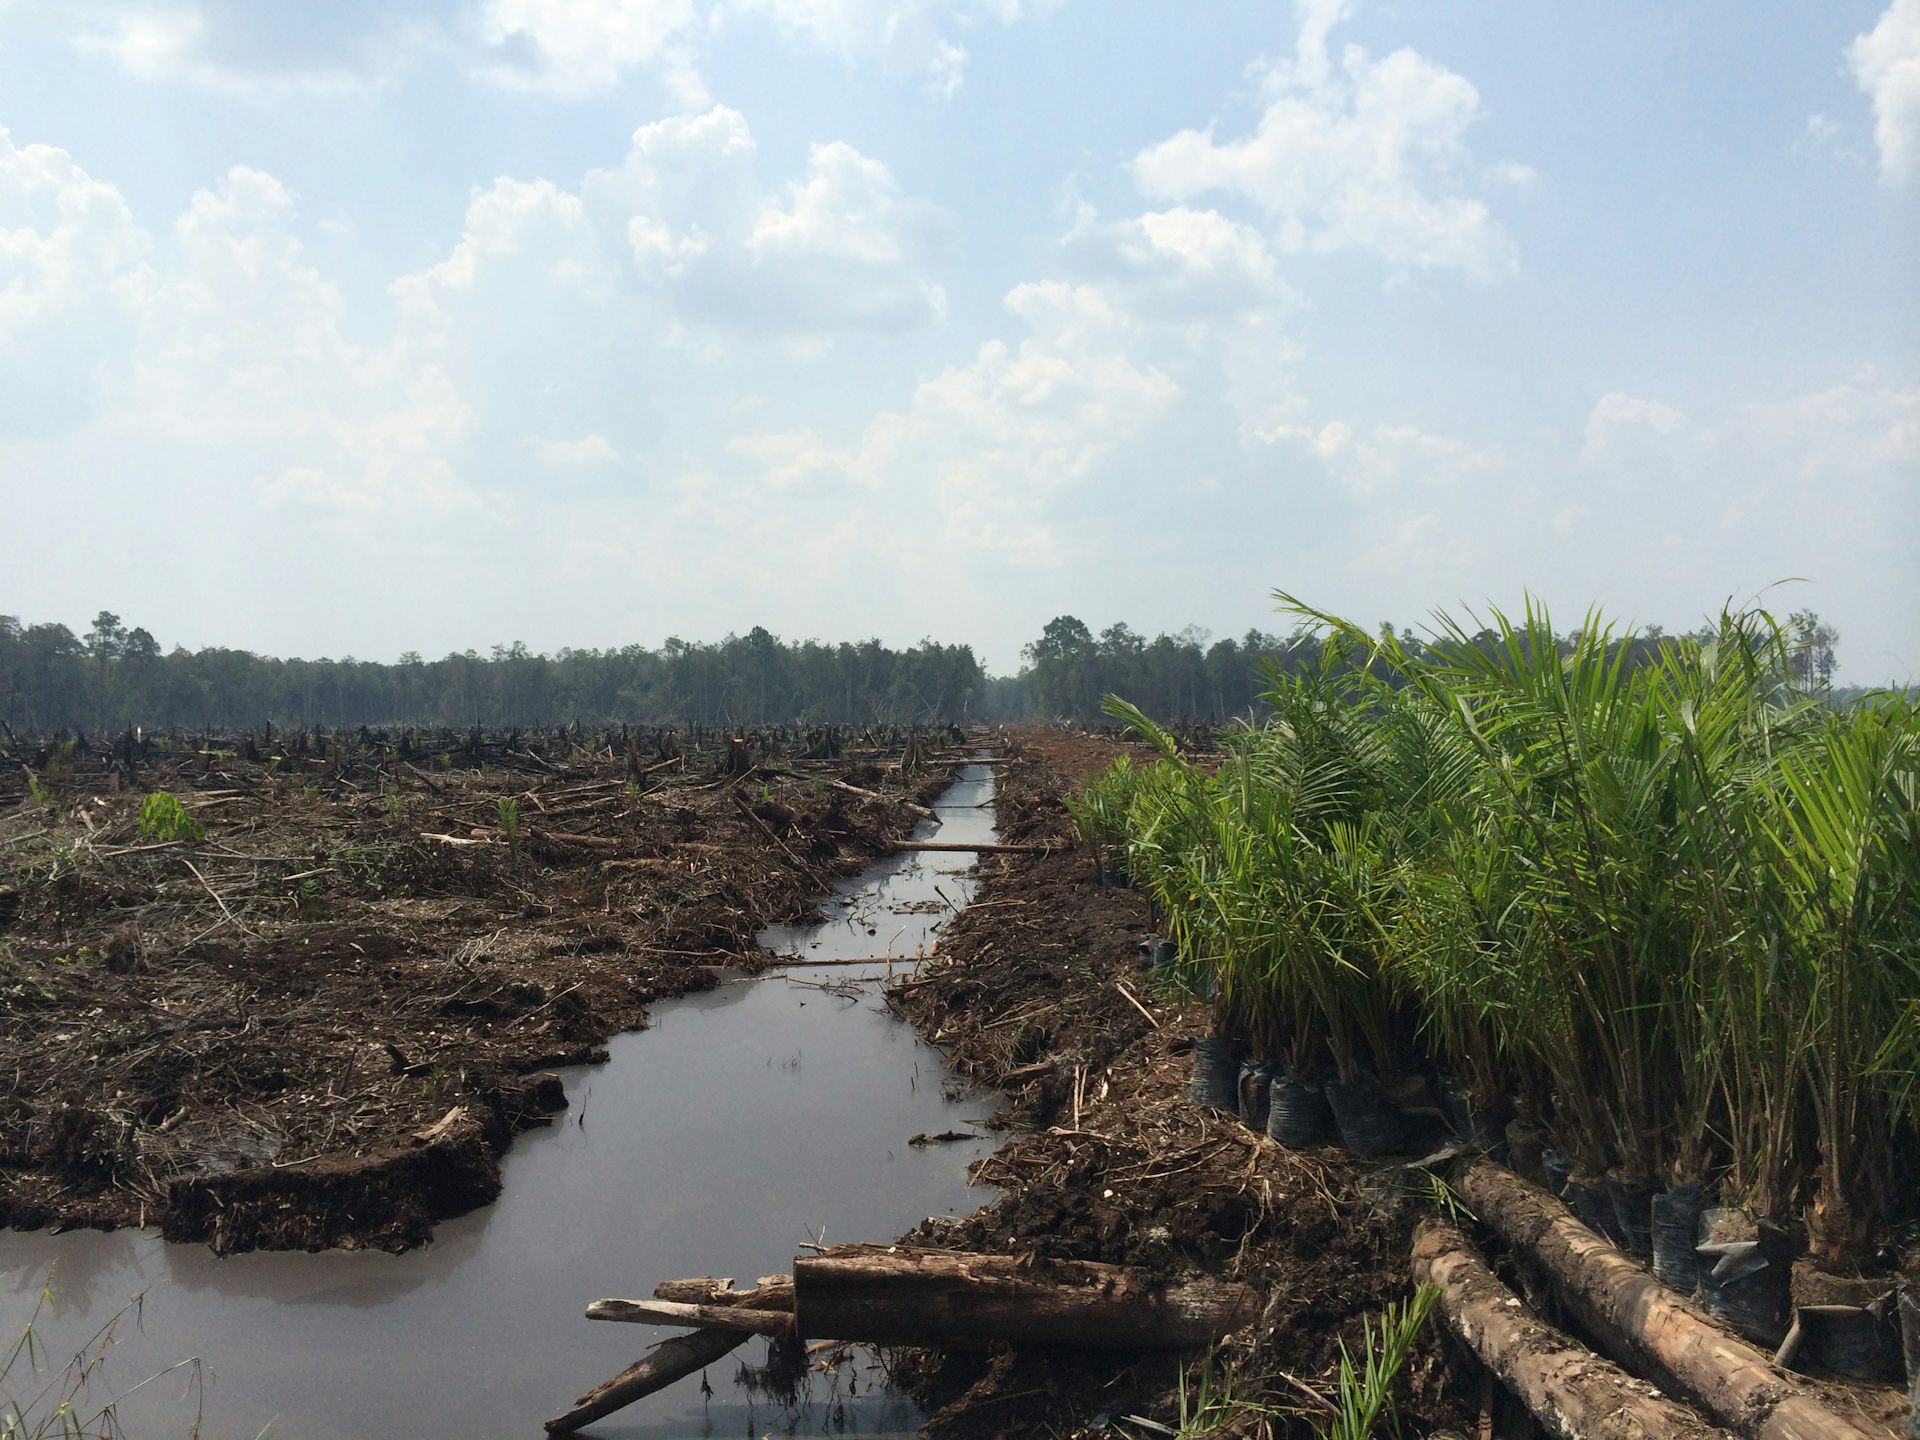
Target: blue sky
(366,327)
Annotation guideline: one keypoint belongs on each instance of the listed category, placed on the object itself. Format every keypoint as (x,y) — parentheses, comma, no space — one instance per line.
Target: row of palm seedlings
(1665,907)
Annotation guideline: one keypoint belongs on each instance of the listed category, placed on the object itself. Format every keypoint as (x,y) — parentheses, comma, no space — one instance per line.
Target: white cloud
(684,244)
(1413,547)
(580,453)
(1858,422)
(1181,263)
(64,237)
(264,49)
(74,272)
(789,459)
(1618,415)
(903,36)
(994,442)
(244,348)
(577,47)
(510,217)
(1395,461)
(1368,154)
(839,248)
(253,49)
(1817,483)
(218,340)
(1886,65)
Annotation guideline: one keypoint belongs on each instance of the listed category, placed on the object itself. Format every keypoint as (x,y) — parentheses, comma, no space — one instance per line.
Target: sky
(387,325)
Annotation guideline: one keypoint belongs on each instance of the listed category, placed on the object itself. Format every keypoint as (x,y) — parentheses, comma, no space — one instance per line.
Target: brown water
(745,1123)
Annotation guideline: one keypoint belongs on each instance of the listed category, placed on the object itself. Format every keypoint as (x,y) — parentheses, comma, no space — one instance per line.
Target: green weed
(163,817)
(76,1401)
(1365,1401)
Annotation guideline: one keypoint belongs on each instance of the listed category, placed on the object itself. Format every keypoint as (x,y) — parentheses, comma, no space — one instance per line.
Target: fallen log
(984,847)
(791,962)
(902,1296)
(672,1359)
(771,1292)
(680,1356)
(897,1295)
(702,1317)
(1645,1325)
(582,842)
(876,795)
(1573,1393)
(934,763)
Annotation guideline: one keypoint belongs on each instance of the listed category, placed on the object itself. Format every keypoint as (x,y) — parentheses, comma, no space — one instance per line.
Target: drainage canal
(746,1123)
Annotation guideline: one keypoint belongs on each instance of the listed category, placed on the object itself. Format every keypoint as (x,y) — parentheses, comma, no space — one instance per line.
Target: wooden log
(897,1295)
(791,962)
(984,847)
(700,1317)
(1573,1393)
(582,842)
(672,1359)
(876,795)
(1645,1325)
(771,1292)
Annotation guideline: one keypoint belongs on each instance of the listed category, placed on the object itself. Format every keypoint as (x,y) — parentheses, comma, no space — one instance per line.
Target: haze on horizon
(375,327)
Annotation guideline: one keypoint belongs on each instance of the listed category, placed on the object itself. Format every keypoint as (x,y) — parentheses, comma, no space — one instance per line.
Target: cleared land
(311,1008)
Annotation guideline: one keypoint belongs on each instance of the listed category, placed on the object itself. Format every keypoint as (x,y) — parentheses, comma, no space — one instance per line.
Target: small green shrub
(510,820)
(163,817)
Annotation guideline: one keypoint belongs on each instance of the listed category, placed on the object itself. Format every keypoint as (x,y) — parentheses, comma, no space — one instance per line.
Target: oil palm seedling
(1364,1406)
(1844,825)
(1654,893)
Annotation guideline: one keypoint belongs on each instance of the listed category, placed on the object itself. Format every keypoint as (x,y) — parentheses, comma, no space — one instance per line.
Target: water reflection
(748,1121)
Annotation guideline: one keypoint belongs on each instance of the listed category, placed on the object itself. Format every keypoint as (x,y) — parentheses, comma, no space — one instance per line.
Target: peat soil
(1038,991)
(316,1016)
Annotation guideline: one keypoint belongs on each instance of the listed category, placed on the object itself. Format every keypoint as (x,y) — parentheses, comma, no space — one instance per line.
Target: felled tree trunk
(667,1362)
(1573,1393)
(682,1355)
(1644,1324)
(903,1296)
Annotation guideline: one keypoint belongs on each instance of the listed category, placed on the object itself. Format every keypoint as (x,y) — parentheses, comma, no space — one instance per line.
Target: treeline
(1176,678)
(114,677)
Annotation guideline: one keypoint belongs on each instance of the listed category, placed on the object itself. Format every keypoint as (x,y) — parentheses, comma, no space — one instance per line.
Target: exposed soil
(320,1022)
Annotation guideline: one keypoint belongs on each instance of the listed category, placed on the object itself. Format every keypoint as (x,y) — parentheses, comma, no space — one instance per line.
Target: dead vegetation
(308,1005)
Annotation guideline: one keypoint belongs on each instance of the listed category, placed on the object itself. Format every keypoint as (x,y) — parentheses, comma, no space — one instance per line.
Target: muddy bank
(1035,995)
(313,1009)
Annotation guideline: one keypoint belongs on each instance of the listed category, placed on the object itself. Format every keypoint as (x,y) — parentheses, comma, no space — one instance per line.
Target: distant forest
(114,677)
